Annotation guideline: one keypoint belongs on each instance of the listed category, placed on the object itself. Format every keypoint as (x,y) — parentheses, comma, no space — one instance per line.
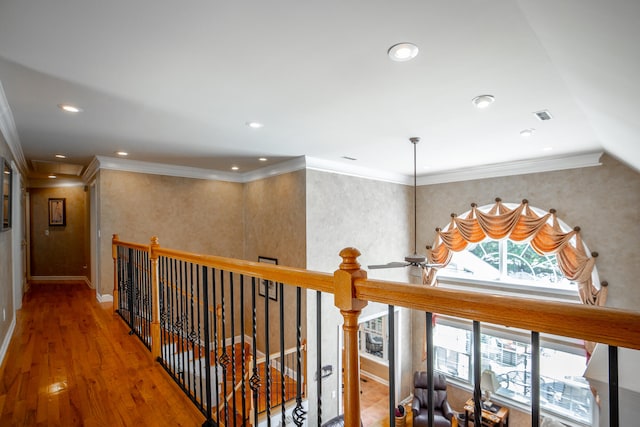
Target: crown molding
(102,162)
(91,170)
(10,133)
(356,171)
(522,167)
(288,166)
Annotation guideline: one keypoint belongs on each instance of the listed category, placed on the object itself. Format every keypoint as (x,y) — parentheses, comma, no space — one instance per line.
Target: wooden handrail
(291,276)
(139,246)
(592,323)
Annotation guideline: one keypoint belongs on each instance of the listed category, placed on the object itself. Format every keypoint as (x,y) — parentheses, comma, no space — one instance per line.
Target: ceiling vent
(543,115)
(56,168)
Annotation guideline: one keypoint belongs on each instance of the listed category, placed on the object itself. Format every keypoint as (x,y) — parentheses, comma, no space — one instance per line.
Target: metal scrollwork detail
(255,382)
(299,414)
(224,359)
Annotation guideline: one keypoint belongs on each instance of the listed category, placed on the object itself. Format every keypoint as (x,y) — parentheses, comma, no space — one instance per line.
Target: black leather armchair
(442,412)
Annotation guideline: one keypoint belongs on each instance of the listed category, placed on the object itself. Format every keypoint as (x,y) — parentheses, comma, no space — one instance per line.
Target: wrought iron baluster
(267,366)
(319,354)
(233,347)
(216,351)
(132,288)
(244,351)
(477,394)
(299,412)
(202,303)
(224,357)
(283,391)
(162,282)
(180,324)
(614,402)
(192,331)
(207,350)
(535,379)
(392,364)
(255,382)
(174,337)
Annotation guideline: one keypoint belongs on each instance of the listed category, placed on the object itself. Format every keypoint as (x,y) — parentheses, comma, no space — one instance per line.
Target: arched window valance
(520,224)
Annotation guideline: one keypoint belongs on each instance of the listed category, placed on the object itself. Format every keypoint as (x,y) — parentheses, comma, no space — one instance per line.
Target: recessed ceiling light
(263,159)
(526,133)
(547,149)
(52,176)
(234,168)
(61,156)
(122,153)
(402,52)
(483,101)
(254,125)
(69,108)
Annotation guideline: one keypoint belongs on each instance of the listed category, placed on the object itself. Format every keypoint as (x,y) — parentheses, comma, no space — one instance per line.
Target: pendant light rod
(414,140)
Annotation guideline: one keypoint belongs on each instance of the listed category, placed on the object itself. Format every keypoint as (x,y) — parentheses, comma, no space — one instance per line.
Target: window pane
(488,252)
(452,348)
(526,264)
(563,390)
(372,337)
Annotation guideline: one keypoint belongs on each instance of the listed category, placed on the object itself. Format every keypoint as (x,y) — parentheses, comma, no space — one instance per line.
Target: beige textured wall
(275,227)
(604,201)
(6,264)
(194,215)
(372,216)
(59,250)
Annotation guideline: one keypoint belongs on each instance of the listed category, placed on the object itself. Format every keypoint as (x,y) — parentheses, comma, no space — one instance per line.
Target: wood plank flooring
(71,362)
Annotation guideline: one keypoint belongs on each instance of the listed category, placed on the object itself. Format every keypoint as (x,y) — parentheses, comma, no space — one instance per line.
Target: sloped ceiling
(177,83)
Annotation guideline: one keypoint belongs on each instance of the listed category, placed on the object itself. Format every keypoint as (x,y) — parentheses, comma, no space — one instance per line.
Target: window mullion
(502,250)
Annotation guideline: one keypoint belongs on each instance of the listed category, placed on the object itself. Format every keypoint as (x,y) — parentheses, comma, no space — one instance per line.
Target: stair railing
(352,291)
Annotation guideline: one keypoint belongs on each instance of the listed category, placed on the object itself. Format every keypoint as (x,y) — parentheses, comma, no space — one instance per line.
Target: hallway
(71,362)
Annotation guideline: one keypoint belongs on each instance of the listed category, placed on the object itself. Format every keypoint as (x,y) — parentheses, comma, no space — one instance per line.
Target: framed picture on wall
(6,175)
(57,212)
(268,286)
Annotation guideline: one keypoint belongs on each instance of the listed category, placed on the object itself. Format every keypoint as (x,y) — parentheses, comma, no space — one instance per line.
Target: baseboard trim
(84,279)
(374,377)
(7,339)
(104,297)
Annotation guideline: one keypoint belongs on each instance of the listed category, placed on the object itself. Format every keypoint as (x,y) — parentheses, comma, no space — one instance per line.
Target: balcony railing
(168,299)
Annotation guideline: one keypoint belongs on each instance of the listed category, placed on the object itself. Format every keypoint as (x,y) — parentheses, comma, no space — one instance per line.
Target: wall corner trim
(7,339)
(10,132)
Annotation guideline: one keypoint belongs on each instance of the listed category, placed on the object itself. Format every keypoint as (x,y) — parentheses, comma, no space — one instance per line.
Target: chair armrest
(447,410)
(415,406)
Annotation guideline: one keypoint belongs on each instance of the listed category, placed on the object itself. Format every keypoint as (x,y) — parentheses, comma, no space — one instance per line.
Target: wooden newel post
(114,255)
(350,308)
(155,292)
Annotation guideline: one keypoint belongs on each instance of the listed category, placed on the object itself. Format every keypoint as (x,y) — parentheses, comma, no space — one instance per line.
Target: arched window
(517,250)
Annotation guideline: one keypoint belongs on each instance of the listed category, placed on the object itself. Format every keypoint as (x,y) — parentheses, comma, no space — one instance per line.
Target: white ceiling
(175,82)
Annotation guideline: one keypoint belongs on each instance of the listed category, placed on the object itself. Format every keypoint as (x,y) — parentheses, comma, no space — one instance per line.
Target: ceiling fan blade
(425,264)
(389,265)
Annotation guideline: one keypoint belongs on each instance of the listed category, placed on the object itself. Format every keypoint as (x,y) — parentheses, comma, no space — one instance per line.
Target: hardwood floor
(374,404)
(71,362)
